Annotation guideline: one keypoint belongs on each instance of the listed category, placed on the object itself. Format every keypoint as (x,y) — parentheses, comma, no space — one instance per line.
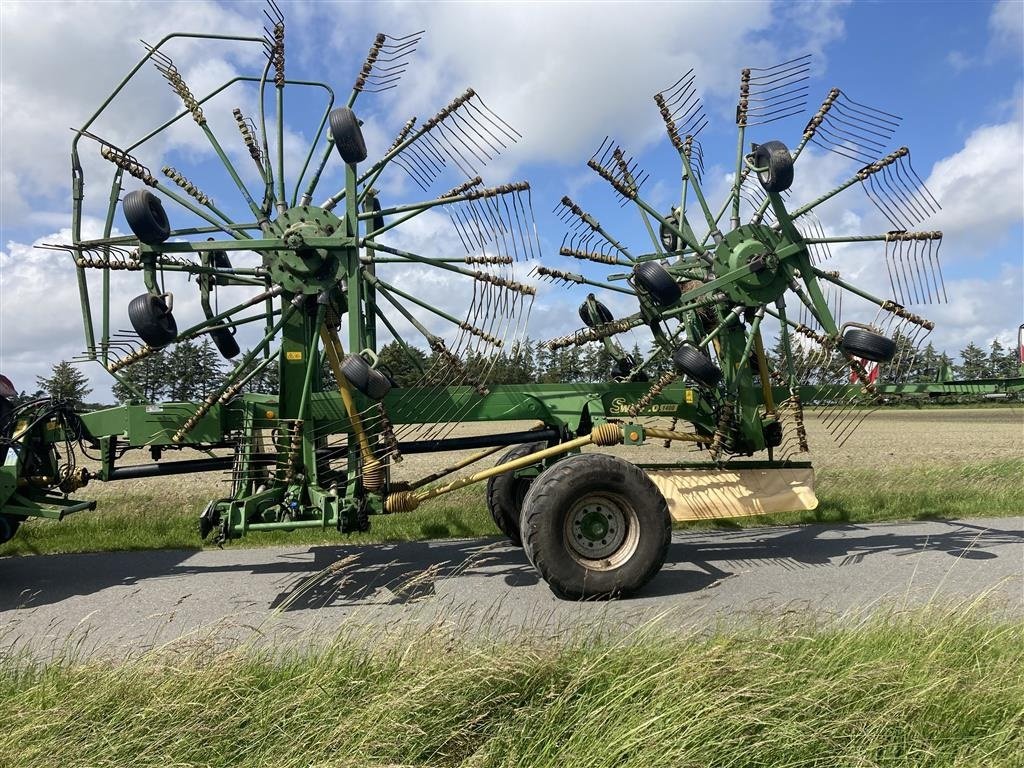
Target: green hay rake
(327,282)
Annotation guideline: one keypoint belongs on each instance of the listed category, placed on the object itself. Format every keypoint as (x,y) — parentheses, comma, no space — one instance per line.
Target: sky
(565,75)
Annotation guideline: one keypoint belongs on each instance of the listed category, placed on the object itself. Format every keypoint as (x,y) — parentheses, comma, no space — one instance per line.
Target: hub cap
(298,267)
(601,531)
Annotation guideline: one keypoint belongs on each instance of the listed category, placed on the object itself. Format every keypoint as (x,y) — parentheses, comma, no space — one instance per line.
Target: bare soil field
(887,439)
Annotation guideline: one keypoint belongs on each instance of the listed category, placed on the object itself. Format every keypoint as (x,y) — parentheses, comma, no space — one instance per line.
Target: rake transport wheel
(506,493)
(146,216)
(595,526)
(774,157)
(603,314)
(152,319)
(657,282)
(869,345)
(225,342)
(692,362)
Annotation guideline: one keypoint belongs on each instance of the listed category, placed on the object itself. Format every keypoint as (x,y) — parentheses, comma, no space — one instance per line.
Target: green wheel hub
(599,529)
(594,526)
(752,245)
(298,267)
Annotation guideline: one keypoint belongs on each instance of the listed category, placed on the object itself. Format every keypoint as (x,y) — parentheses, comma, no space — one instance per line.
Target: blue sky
(565,75)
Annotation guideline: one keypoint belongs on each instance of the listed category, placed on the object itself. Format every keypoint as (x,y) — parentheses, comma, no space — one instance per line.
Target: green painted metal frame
(316,262)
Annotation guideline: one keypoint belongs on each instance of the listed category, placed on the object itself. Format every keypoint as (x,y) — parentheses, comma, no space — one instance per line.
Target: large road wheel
(595,526)
(505,493)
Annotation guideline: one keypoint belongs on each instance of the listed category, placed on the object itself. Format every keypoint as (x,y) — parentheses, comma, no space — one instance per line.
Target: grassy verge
(138,521)
(932,688)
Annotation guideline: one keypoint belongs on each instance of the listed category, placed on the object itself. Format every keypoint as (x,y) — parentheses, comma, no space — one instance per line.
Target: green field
(929,688)
(148,521)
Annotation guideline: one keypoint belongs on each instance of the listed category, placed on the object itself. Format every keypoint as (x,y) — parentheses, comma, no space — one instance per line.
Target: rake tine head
(681,109)
(851,129)
(773,93)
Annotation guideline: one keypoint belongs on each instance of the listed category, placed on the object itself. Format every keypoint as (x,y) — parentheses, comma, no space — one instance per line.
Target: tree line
(192,370)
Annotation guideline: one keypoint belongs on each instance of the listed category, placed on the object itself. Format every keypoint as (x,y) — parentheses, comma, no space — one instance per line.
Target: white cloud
(565,75)
(1006,26)
(959,61)
(56,68)
(979,310)
(981,187)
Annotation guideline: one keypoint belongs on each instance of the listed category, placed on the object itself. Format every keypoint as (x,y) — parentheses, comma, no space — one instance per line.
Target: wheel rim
(602,531)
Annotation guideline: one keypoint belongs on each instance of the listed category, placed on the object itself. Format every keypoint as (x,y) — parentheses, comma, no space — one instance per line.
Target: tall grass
(929,688)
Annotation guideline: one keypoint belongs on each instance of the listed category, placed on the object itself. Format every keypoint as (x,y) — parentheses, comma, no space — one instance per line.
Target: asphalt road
(129,602)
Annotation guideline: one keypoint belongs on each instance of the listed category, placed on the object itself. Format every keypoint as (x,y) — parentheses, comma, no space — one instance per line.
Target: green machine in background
(325,283)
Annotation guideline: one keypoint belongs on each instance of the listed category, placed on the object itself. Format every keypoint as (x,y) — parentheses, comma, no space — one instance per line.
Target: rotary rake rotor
(322,281)
(709,278)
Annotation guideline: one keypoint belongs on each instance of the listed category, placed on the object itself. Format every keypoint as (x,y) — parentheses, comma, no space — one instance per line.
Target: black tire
(348,136)
(152,320)
(225,342)
(625,365)
(604,315)
(8,527)
(623,369)
(669,239)
(377,385)
(868,345)
(773,155)
(596,486)
(505,493)
(657,282)
(220,260)
(378,218)
(146,217)
(692,362)
(356,371)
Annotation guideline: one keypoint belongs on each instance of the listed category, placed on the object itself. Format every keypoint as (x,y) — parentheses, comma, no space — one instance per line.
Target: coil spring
(128,163)
(277,54)
(446,110)
(598,332)
(171,74)
(601,258)
(878,165)
(294,450)
(666,378)
(481,334)
(670,124)
(741,107)
(900,311)
(501,282)
(140,354)
(373,474)
(402,501)
(387,436)
(819,116)
(191,189)
(247,135)
(798,419)
(371,58)
(628,192)
(722,429)
(191,421)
